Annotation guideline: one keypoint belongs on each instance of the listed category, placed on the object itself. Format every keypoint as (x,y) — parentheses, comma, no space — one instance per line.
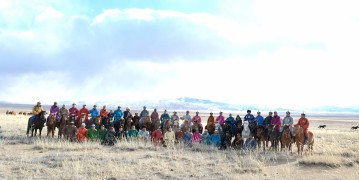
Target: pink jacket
(196,137)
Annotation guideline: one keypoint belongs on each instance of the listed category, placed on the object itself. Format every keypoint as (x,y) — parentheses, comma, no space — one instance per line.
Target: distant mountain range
(188,103)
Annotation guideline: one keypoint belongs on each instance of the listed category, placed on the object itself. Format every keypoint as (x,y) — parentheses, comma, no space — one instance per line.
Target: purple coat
(55,110)
(276,121)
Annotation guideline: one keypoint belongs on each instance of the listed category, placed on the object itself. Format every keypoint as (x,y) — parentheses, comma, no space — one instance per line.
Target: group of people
(165,129)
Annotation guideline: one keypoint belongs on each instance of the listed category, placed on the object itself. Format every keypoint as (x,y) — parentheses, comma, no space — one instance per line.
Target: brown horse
(185,126)
(80,120)
(262,137)
(63,123)
(210,128)
(147,123)
(97,121)
(197,126)
(237,142)
(128,124)
(179,137)
(121,122)
(51,124)
(286,138)
(298,132)
(156,124)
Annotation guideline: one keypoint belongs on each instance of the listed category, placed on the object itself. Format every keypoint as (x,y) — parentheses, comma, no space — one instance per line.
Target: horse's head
(297,129)
(271,127)
(176,123)
(43,113)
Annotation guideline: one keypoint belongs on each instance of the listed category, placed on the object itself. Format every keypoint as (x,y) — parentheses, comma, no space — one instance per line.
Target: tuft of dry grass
(46,158)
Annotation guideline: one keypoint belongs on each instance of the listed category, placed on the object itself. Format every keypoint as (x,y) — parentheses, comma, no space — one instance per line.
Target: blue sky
(277,53)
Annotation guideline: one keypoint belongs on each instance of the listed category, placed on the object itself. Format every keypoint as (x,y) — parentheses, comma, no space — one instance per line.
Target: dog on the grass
(355,127)
(322,126)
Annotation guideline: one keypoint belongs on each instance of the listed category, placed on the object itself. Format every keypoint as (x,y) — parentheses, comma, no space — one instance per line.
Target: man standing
(70,132)
(94,112)
(304,123)
(144,113)
(169,138)
(220,119)
(118,114)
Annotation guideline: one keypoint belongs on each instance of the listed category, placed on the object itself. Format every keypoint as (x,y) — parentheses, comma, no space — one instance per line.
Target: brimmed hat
(83,124)
(93,125)
(72,122)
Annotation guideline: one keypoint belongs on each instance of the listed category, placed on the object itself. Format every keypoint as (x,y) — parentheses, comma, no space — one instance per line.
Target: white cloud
(300,54)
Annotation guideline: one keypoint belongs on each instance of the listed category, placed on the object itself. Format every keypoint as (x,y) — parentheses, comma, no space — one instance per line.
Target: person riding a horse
(276,121)
(103,113)
(94,112)
(251,121)
(55,110)
(197,118)
(287,121)
(144,113)
(36,110)
(304,123)
(84,111)
(164,117)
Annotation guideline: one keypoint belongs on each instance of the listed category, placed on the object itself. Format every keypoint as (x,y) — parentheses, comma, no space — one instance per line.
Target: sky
(269,53)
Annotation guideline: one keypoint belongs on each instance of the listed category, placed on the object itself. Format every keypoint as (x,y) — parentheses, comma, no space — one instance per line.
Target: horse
(197,126)
(298,132)
(106,121)
(322,126)
(147,123)
(80,120)
(286,138)
(179,137)
(37,124)
(128,124)
(156,124)
(237,142)
(354,128)
(63,123)
(210,128)
(273,136)
(51,124)
(121,122)
(185,127)
(262,137)
(253,129)
(97,121)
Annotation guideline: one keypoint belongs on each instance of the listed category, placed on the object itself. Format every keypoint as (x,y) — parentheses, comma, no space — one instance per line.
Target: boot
(293,139)
(305,140)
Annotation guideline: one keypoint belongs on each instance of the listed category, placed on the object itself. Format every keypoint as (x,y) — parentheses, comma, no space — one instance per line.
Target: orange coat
(304,123)
(81,134)
(211,119)
(103,113)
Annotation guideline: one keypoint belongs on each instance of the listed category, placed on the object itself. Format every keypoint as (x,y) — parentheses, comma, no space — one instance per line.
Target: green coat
(101,134)
(91,134)
(132,133)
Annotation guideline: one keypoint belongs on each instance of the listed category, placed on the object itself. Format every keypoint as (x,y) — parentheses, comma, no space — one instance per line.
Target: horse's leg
(53,132)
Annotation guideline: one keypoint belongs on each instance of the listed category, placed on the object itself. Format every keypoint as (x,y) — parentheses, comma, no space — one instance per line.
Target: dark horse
(37,124)
(273,136)
(106,121)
